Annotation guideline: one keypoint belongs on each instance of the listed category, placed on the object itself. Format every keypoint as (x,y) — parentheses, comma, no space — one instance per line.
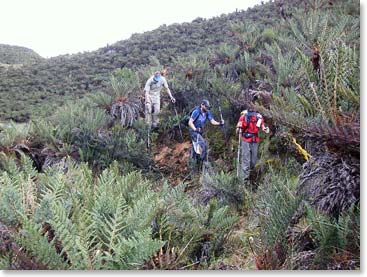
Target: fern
(220,224)
(124,87)
(8,164)
(12,133)
(10,201)
(108,228)
(227,188)
(130,253)
(66,232)
(338,66)
(5,261)
(334,236)
(144,209)
(101,99)
(198,231)
(36,244)
(276,205)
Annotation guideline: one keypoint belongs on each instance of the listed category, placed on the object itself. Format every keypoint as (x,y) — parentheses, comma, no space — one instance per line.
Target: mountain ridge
(13,54)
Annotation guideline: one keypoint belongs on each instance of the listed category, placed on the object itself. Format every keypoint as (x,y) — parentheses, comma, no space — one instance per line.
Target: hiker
(196,124)
(248,126)
(152,90)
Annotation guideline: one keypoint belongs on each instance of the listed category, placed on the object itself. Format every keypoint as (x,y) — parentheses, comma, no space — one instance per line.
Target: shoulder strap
(196,108)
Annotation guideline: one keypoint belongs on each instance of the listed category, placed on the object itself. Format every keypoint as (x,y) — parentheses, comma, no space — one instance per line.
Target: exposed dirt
(173,159)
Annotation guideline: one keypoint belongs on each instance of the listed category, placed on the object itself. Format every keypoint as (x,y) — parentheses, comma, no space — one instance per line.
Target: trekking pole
(220,110)
(205,165)
(148,138)
(221,118)
(179,123)
(145,115)
(239,154)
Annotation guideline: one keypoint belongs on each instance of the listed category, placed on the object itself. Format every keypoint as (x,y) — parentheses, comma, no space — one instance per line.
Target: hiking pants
(249,157)
(197,137)
(152,109)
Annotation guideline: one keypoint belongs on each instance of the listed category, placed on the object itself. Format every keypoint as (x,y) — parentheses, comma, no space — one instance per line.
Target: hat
(205,103)
(157,76)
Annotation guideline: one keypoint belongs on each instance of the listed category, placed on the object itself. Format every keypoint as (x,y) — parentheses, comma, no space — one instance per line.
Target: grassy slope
(36,89)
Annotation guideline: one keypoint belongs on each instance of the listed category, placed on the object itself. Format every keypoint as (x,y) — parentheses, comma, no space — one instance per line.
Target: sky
(56,27)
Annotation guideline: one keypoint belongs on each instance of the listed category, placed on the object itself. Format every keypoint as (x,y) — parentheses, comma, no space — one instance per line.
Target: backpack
(251,120)
(186,119)
(251,117)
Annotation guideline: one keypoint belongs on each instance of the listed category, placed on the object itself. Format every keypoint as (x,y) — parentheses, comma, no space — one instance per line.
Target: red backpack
(251,130)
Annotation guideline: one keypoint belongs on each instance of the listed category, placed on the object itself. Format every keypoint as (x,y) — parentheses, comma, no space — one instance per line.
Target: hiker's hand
(173,100)
(238,130)
(198,130)
(266,130)
(221,122)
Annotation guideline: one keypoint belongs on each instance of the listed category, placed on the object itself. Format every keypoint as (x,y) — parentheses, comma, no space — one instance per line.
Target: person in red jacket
(249,125)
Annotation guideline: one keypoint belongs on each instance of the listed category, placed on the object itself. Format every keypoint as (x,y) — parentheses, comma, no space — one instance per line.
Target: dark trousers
(249,157)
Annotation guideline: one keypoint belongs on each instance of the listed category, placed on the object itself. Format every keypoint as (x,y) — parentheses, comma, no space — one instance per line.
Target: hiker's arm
(262,124)
(168,91)
(170,95)
(147,85)
(191,124)
(265,129)
(216,123)
(212,120)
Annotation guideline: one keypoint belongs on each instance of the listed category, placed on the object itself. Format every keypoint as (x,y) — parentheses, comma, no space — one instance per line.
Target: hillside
(91,186)
(10,54)
(40,87)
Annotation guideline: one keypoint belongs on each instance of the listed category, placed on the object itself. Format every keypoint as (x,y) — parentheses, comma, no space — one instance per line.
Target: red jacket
(250,130)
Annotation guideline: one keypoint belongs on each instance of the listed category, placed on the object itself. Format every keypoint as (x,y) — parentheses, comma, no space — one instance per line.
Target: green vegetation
(16,55)
(71,220)
(79,189)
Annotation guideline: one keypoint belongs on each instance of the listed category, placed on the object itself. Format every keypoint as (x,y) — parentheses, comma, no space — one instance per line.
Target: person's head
(250,107)
(164,72)
(157,76)
(252,110)
(205,105)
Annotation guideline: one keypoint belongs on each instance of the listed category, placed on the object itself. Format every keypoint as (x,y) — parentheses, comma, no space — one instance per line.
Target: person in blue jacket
(196,126)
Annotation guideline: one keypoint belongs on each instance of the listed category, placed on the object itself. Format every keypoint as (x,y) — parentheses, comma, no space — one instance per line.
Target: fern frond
(108,228)
(144,209)
(66,232)
(132,252)
(10,203)
(276,205)
(5,261)
(36,244)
